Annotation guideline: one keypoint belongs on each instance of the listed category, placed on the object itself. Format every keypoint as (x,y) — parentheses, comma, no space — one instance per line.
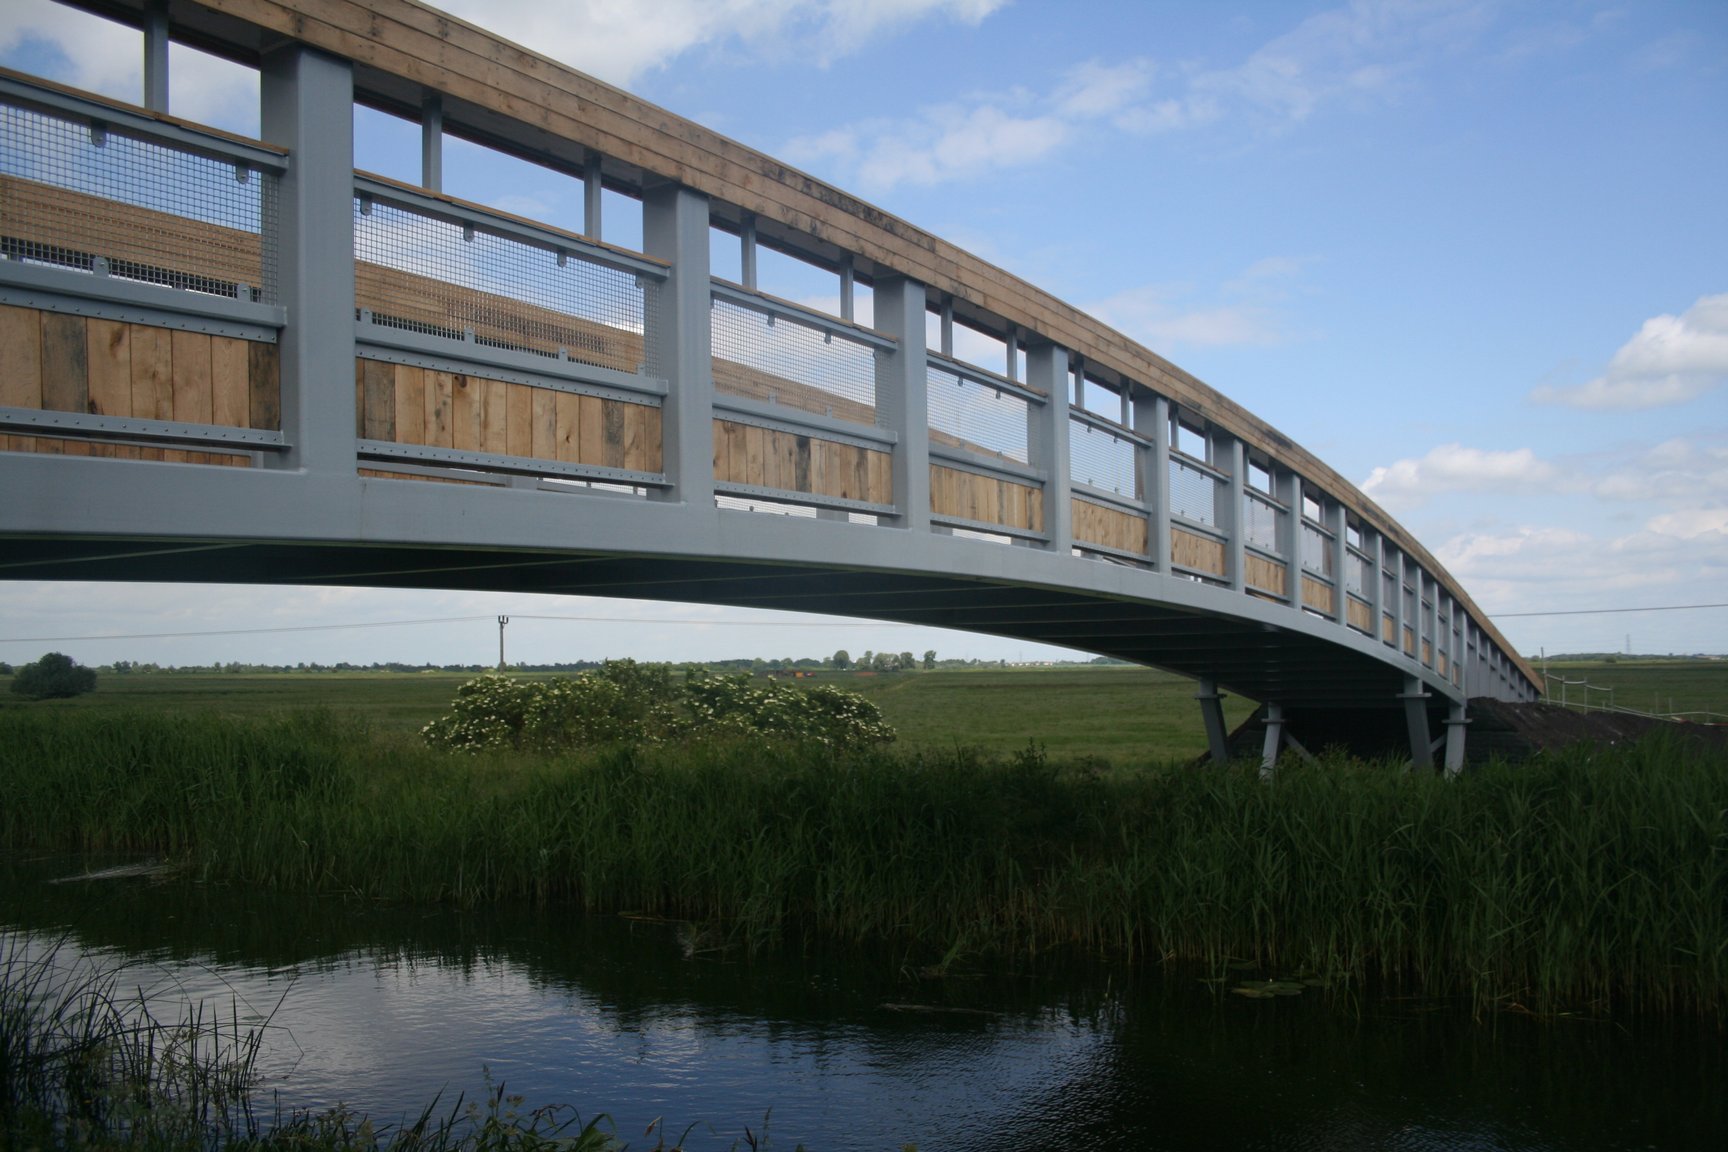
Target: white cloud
(1167,316)
(1363,52)
(1671,360)
(1456,468)
(610,39)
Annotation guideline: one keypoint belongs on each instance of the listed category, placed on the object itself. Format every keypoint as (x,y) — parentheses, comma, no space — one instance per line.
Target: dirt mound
(1517,731)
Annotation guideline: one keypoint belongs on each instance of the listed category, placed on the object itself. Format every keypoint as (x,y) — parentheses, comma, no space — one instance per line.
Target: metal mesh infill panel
(965,413)
(1260,522)
(1193,493)
(1101,459)
(782,359)
(74,193)
(445,277)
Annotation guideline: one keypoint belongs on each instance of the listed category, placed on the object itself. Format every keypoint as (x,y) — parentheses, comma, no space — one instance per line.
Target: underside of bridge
(1329,696)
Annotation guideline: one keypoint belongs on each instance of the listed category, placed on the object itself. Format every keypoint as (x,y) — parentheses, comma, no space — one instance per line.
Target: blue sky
(1473,254)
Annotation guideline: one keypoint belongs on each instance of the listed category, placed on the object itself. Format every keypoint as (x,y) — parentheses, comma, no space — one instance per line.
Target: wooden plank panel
(1359,615)
(543,440)
(568,409)
(1316,595)
(229,383)
(152,373)
(1108,527)
(494,416)
(65,364)
(612,432)
(653,439)
(193,400)
(20,357)
(881,489)
(1201,553)
(378,380)
(410,404)
(109,353)
(519,419)
(359,396)
(465,412)
(264,380)
(441,410)
(1266,575)
(636,436)
(803,474)
(591,431)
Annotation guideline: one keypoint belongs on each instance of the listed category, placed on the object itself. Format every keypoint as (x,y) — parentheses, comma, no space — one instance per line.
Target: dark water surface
(381,1007)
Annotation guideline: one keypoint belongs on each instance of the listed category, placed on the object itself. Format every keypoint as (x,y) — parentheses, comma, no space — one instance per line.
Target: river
(382,1007)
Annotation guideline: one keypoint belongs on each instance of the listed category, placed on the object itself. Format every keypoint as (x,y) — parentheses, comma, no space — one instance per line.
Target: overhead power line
(1607,611)
(444,620)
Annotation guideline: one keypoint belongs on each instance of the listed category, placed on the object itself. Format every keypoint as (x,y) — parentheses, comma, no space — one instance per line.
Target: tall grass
(1598,878)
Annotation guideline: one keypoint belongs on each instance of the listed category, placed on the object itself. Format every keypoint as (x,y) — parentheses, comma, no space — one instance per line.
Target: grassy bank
(1598,878)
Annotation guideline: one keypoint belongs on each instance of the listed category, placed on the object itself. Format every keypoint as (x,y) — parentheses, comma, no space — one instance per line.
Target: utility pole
(502,620)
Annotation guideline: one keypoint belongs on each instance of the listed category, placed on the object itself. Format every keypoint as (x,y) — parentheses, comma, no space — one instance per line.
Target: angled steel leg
(1416,717)
(1212,710)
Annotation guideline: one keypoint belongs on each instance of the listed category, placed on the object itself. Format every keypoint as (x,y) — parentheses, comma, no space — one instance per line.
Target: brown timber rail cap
(505,92)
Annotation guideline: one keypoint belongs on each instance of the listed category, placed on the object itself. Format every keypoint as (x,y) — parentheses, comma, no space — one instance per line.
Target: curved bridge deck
(241,360)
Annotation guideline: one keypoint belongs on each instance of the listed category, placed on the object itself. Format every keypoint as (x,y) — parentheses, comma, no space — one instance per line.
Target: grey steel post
(1156,411)
(1212,711)
(903,396)
(592,188)
(1142,414)
(1288,487)
(1234,518)
(747,250)
(848,286)
(675,229)
(1399,598)
(1457,724)
(432,142)
(1047,371)
(156,55)
(1335,524)
(308,107)
(1374,582)
(1416,720)
(1274,740)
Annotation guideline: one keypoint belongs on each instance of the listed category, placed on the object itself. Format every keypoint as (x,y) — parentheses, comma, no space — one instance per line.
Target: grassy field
(1661,686)
(1119,713)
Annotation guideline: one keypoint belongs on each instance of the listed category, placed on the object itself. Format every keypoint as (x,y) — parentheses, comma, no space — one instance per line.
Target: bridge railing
(138,313)
(488,346)
(982,476)
(1110,509)
(795,413)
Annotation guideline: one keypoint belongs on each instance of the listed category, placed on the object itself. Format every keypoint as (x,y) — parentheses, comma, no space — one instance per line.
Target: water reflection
(386,1005)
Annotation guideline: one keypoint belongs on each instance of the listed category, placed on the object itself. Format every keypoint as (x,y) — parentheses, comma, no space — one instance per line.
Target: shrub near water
(627,702)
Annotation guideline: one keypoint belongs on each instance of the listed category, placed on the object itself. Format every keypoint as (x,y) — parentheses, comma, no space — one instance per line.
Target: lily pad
(1253,993)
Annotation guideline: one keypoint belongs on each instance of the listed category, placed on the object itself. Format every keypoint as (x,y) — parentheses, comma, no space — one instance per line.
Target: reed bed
(1593,880)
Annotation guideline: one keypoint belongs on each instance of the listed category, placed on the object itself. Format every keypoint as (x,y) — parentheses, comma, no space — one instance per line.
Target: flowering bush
(627,702)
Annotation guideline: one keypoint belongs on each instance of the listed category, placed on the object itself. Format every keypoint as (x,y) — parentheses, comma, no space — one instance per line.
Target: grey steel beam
(432,142)
(675,229)
(593,189)
(1416,720)
(1047,370)
(903,396)
(308,107)
(1340,546)
(156,55)
(1233,519)
(1152,420)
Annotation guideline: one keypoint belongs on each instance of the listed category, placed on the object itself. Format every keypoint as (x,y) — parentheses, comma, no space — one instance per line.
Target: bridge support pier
(1212,711)
(1456,724)
(1416,719)
(1278,736)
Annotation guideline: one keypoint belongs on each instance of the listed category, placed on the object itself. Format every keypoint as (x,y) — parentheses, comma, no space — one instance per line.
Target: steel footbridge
(241,360)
